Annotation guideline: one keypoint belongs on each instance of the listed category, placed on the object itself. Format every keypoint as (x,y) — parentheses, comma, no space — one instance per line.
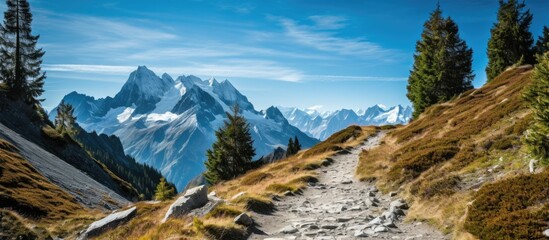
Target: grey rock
(396,211)
(347,182)
(355,208)
(376,221)
(289,229)
(357,227)
(389,223)
(389,215)
(361,233)
(399,204)
(379,229)
(371,194)
(202,211)
(243,219)
(329,226)
(392,194)
(108,222)
(343,219)
(194,198)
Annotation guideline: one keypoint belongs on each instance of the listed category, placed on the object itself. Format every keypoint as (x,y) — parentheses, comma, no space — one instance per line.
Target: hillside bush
(514,208)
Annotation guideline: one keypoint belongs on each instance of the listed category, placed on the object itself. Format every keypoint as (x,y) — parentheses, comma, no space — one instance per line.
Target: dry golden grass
(260,185)
(26,191)
(452,150)
(38,202)
(294,172)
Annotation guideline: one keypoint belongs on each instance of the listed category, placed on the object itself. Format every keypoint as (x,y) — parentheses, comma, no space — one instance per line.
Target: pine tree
(290,150)
(537,96)
(442,64)
(233,150)
(297,145)
(542,44)
(20,59)
(164,191)
(65,119)
(511,39)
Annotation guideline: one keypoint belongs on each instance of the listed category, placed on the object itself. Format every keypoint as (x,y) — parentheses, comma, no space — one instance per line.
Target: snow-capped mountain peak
(324,125)
(170,124)
(143,89)
(274,114)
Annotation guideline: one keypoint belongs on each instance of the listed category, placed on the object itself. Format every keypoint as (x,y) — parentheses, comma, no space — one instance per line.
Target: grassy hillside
(31,122)
(463,165)
(32,207)
(259,186)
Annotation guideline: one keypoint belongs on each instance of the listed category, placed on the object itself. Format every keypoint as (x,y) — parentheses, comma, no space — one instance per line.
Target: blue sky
(334,54)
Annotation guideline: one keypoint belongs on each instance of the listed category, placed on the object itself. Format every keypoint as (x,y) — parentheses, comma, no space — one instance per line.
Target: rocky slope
(25,127)
(84,188)
(169,124)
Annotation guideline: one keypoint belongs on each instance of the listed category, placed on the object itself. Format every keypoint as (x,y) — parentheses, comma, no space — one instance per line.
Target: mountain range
(322,125)
(169,124)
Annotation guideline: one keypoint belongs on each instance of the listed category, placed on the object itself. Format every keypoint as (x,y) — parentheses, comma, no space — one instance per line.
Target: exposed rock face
(194,198)
(108,222)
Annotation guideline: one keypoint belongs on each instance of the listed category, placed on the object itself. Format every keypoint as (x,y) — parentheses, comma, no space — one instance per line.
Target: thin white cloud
(347,78)
(227,69)
(99,69)
(251,69)
(328,21)
(328,41)
(315,107)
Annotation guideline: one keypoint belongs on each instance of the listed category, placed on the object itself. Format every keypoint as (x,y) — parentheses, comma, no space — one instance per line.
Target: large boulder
(194,198)
(108,222)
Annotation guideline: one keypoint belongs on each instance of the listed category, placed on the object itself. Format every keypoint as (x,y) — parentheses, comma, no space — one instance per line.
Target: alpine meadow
(274,120)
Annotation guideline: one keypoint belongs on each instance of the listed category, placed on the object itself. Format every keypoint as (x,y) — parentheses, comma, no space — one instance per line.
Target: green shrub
(415,159)
(444,186)
(514,208)
(504,143)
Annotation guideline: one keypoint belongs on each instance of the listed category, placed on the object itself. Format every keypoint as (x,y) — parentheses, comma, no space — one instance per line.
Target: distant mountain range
(169,124)
(322,125)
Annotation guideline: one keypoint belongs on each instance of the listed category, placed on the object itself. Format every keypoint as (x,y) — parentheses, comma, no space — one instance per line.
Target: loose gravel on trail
(340,207)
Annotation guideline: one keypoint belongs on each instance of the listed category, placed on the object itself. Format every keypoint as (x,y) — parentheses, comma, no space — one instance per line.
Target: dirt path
(340,207)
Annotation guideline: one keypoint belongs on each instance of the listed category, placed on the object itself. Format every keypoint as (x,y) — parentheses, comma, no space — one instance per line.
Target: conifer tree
(537,96)
(542,44)
(164,191)
(511,40)
(20,59)
(233,150)
(297,145)
(65,119)
(442,64)
(290,150)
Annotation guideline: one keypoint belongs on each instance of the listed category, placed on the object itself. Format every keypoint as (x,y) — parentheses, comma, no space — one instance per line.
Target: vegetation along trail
(340,207)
